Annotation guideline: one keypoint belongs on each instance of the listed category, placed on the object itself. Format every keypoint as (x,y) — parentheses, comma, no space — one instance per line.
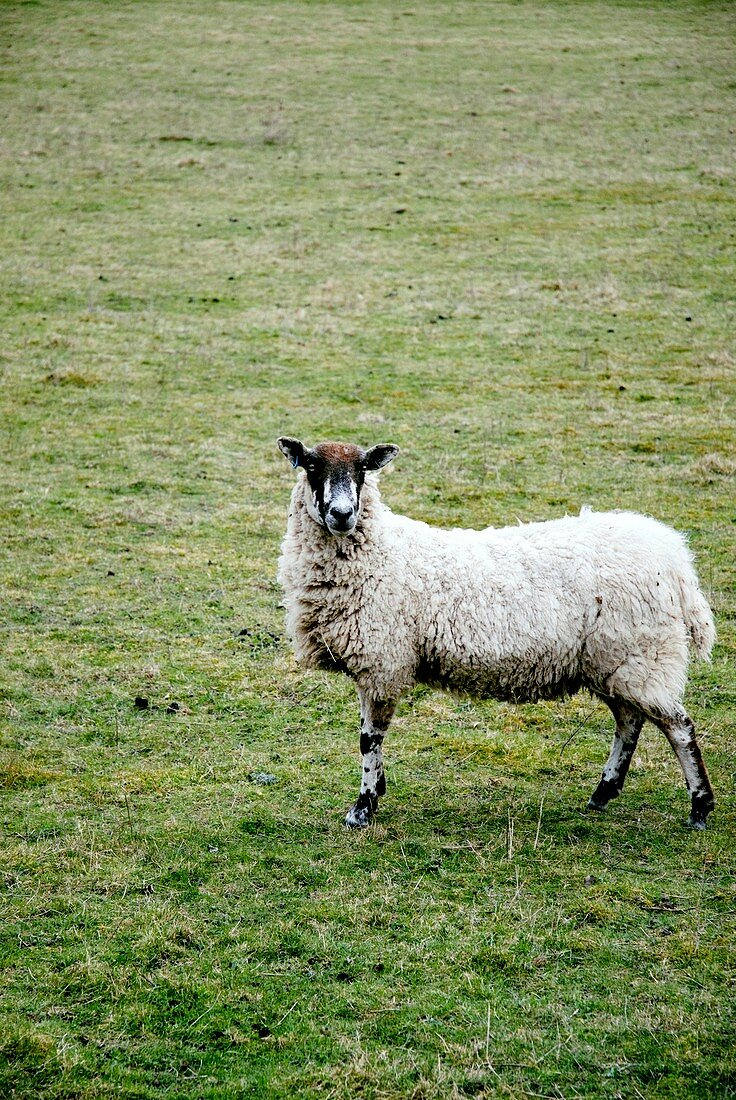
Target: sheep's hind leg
(679,730)
(374,721)
(629,721)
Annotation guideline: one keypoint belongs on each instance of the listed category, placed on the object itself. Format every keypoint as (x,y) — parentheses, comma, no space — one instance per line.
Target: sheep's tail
(698,615)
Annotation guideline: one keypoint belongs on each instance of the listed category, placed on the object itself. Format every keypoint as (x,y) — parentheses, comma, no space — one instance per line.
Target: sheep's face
(335,473)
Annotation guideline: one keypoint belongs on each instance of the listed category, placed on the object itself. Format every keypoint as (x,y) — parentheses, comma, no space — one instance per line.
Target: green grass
(500,235)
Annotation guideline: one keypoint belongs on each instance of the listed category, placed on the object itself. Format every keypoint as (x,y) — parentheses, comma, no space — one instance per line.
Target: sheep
(607,601)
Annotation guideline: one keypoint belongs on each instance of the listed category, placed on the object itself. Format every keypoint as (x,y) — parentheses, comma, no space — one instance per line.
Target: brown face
(335,475)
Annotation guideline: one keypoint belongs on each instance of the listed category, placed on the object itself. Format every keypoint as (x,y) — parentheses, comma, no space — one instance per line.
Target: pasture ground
(500,235)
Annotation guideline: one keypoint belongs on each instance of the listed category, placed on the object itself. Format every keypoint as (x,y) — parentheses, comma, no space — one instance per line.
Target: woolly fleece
(604,600)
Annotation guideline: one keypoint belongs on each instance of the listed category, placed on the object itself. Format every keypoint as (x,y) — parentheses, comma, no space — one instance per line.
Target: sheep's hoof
(361,814)
(355,820)
(604,793)
(701,805)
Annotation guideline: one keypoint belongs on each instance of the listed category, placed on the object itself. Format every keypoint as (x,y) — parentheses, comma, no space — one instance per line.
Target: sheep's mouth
(339,529)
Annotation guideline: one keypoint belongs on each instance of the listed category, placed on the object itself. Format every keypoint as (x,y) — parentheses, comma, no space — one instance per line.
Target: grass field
(498,234)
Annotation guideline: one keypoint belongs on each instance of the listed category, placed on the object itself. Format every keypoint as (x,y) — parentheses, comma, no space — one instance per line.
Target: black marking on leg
(368,742)
(606,790)
(381,785)
(694,749)
(367,800)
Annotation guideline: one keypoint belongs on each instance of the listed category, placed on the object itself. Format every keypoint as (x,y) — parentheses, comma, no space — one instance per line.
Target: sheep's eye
(311,467)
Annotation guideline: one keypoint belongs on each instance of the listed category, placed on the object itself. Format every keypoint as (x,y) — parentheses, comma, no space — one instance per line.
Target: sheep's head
(335,474)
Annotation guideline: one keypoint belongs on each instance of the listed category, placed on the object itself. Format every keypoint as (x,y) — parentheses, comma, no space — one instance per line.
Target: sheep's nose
(341,518)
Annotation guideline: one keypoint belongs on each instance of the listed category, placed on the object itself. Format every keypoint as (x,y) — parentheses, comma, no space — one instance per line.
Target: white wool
(604,600)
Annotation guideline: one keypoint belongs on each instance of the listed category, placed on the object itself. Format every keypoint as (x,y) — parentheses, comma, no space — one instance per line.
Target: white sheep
(607,601)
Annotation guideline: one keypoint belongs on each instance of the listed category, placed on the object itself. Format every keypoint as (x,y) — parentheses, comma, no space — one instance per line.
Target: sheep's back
(539,610)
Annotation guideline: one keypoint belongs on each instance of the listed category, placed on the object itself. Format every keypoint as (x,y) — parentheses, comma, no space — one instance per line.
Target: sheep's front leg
(375,716)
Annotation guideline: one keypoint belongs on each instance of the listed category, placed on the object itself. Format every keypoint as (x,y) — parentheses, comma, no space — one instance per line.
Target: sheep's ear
(294,450)
(379,456)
